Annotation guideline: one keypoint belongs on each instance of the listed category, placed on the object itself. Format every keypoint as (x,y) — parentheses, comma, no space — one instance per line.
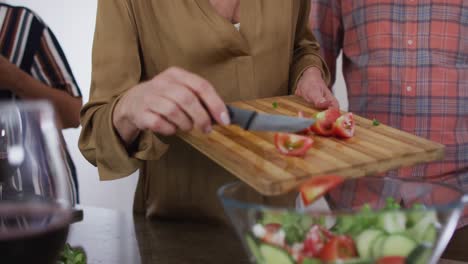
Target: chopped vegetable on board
(324,120)
(292,144)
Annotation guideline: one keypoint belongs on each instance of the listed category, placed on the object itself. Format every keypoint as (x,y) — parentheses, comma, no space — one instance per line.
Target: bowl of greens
(366,220)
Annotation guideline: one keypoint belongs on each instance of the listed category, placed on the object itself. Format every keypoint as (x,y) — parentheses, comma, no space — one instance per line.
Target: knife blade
(252,120)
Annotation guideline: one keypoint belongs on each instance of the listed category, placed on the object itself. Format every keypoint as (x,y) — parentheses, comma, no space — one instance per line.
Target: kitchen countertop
(113,237)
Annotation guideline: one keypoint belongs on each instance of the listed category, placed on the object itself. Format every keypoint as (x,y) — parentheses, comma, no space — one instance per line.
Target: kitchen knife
(251,120)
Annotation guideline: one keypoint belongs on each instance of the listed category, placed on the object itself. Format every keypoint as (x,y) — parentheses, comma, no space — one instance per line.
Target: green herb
(375,122)
(391,204)
(275,105)
(344,224)
(72,255)
(418,206)
(355,224)
(293,228)
(295,225)
(366,208)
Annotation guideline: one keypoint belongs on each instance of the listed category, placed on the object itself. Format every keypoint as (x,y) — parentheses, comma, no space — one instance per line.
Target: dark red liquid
(32,233)
(6,170)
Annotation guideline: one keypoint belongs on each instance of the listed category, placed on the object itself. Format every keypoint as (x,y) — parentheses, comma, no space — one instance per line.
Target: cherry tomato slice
(344,126)
(324,120)
(391,260)
(317,186)
(315,240)
(339,247)
(292,144)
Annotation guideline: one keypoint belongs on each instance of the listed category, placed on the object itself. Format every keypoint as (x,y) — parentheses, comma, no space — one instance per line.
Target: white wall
(73,21)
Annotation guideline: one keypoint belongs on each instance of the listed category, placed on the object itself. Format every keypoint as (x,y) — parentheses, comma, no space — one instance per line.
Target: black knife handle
(230,111)
(249,122)
(241,117)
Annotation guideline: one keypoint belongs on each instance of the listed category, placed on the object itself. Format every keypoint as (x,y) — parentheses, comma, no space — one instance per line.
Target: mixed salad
(72,255)
(389,235)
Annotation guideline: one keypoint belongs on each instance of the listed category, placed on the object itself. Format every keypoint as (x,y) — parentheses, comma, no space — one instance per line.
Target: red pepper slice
(339,247)
(316,187)
(315,240)
(292,144)
(324,120)
(344,126)
(391,260)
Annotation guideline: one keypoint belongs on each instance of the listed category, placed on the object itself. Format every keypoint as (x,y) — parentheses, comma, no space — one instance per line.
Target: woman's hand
(173,100)
(313,89)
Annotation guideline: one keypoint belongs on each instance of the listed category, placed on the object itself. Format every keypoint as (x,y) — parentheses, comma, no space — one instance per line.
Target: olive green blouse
(135,40)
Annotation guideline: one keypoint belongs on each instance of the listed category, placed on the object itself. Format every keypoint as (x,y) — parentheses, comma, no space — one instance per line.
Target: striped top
(26,41)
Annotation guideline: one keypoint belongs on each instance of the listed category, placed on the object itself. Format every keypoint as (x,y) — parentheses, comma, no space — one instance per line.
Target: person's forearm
(25,86)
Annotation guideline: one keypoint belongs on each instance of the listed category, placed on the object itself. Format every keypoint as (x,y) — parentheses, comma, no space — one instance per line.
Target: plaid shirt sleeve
(326,25)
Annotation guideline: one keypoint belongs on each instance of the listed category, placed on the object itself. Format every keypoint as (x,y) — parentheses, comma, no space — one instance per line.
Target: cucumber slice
(420,255)
(365,240)
(430,235)
(416,216)
(343,224)
(392,221)
(397,245)
(253,247)
(425,229)
(275,255)
(376,251)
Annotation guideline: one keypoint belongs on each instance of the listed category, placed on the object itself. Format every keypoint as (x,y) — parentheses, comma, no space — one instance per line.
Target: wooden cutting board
(252,156)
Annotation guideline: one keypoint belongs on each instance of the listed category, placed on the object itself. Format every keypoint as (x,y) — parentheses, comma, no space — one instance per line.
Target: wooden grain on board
(253,158)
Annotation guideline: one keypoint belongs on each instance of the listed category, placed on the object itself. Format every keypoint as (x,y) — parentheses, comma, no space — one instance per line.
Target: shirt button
(409,88)
(410,42)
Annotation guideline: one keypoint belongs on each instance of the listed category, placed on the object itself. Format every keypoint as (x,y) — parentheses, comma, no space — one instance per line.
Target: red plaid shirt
(405,63)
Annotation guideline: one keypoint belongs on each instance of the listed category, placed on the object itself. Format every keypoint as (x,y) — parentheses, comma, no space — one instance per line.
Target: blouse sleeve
(306,48)
(115,69)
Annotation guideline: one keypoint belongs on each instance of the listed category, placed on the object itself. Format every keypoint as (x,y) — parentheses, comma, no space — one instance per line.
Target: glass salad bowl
(366,220)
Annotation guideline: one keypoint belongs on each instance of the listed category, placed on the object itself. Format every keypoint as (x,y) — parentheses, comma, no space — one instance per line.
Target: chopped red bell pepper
(344,126)
(338,248)
(391,260)
(315,240)
(292,144)
(324,120)
(316,187)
